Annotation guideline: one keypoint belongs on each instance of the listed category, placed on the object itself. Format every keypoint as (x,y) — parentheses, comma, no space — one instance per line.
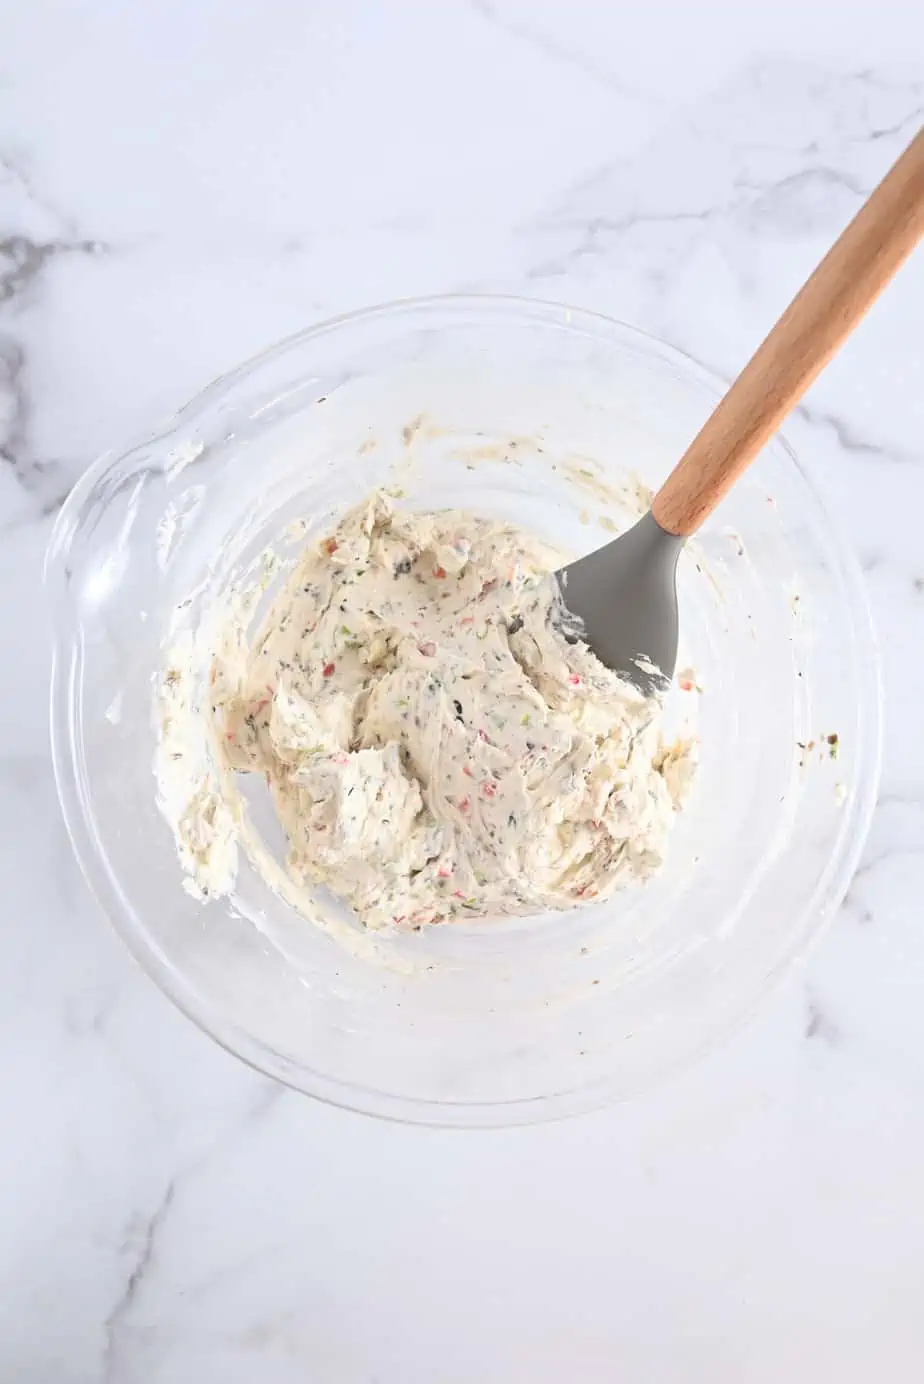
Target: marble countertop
(179,186)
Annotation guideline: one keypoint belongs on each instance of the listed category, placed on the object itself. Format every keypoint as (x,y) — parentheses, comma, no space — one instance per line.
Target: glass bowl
(534,412)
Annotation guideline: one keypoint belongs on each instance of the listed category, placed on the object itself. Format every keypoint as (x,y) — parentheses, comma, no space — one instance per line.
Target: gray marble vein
(559,50)
(25,259)
(818,1023)
(848,439)
(141,1245)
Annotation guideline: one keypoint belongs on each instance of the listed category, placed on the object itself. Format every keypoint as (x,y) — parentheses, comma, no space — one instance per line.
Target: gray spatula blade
(624,598)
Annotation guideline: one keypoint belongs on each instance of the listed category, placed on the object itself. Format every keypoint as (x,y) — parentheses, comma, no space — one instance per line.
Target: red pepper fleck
(439,573)
(457,894)
(686,684)
(464,804)
(328,669)
(443,873)
(482,735)
(468,620)
(574,680)
(467,771)
(330,546)
(488,789)
(427,648)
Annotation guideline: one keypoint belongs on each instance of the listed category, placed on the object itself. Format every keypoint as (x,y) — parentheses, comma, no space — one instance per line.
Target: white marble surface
(181,184)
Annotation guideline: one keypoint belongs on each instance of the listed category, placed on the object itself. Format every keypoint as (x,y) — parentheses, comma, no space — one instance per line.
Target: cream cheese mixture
(434,747)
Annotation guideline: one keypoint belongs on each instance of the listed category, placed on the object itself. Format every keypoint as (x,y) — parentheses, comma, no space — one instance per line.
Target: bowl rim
(103,883)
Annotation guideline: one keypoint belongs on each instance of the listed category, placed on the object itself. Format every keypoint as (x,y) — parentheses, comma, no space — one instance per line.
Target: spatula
(624,595)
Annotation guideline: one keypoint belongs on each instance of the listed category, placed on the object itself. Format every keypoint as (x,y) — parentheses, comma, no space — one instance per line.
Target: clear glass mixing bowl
(529,411)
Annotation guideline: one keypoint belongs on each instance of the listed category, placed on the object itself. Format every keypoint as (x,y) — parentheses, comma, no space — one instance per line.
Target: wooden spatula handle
(825,310)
